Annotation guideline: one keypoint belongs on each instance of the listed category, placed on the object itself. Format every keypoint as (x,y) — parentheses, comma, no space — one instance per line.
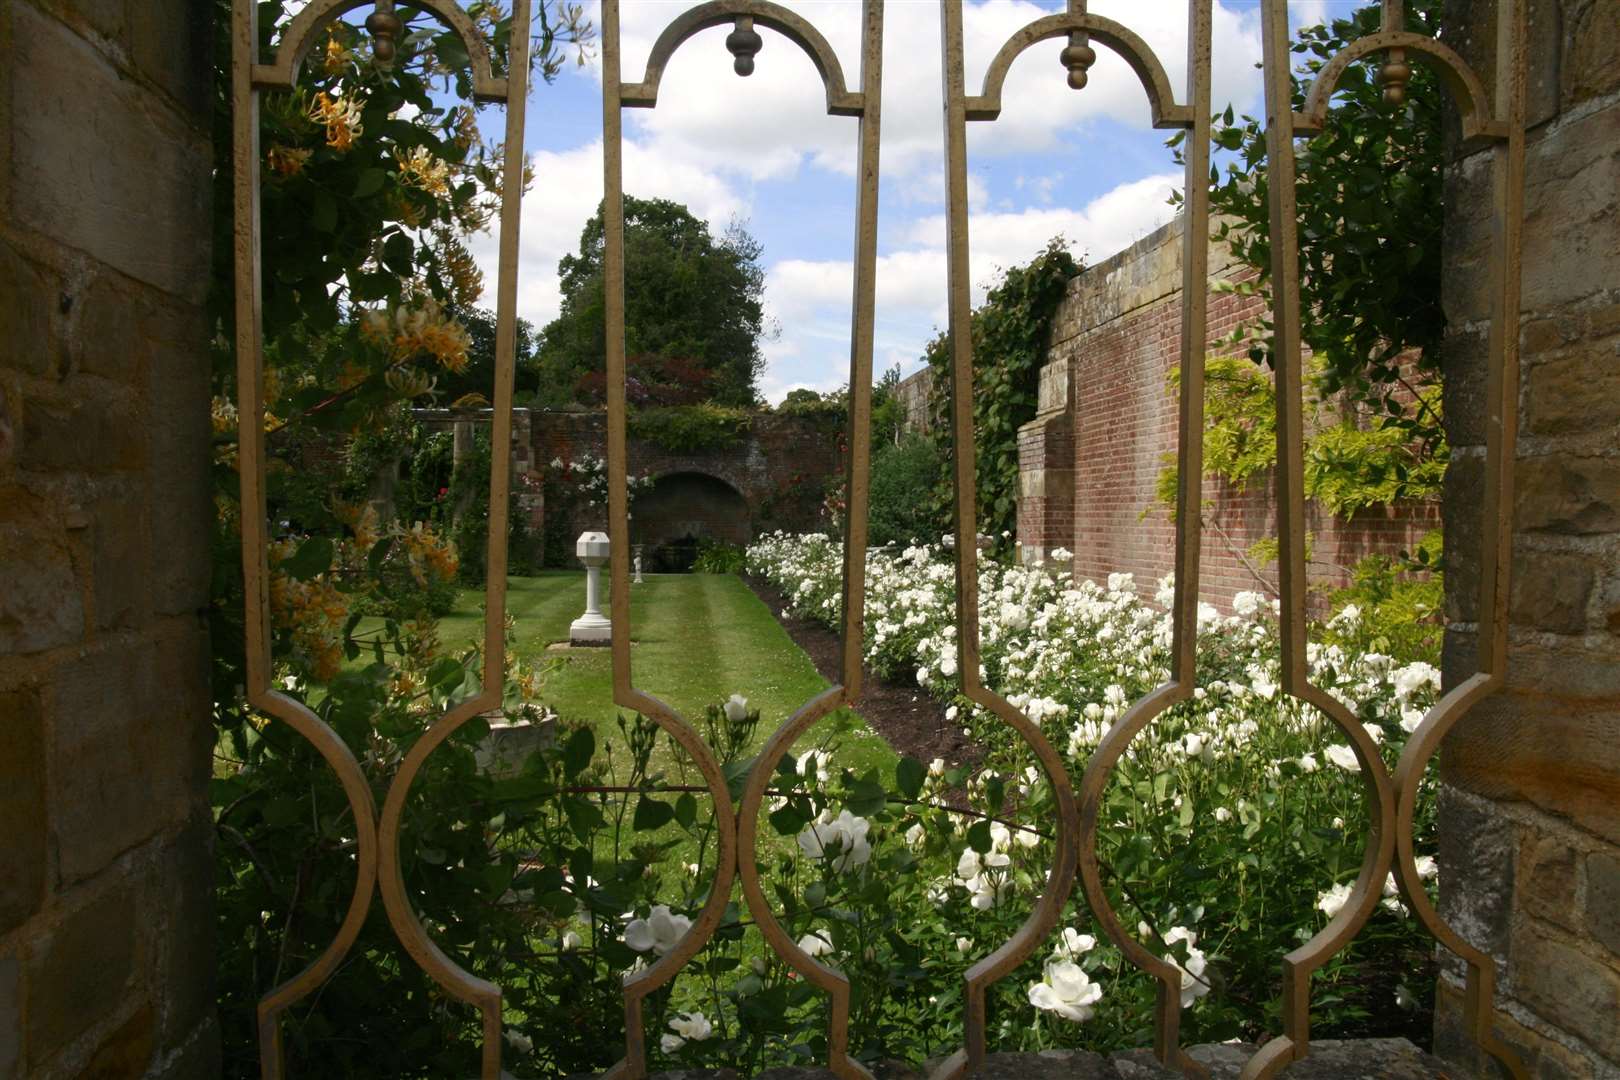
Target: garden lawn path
(697,639)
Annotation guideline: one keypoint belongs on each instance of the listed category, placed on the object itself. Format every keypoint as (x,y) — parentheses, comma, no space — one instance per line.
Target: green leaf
(399,254)
(445,673)
(313,557)
(787,820)
(652,814)
(369,183)
(323,216)
(909,774)
(978,836)
(578,751)
(866,797)
(686,810)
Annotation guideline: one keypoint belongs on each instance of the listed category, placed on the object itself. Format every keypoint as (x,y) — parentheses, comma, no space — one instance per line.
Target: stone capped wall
(1089,463)
(106,870)
(1530,811)
(780,468)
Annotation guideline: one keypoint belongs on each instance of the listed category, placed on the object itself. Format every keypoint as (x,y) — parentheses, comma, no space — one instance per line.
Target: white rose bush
(1233,829)
(1238,819)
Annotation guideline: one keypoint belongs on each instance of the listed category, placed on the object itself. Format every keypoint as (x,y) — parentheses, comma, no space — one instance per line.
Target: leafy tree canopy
(688,294)
(1369,199)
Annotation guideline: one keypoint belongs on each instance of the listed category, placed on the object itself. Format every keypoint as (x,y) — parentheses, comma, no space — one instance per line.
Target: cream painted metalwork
(377,839)
(740,829)
(1077,826)
(1500,122)
(1493,117)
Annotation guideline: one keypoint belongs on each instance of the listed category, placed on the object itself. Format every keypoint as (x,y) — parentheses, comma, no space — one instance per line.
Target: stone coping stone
(1350,1059)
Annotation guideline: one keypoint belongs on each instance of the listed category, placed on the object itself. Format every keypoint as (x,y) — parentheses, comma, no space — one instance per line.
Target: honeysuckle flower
(1066,990)
(736,708)
(1342,756)
(660,931)
(843,838)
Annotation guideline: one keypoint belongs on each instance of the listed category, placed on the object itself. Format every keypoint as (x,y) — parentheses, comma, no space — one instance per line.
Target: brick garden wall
(1530,808)
(106,869)
(1090,462)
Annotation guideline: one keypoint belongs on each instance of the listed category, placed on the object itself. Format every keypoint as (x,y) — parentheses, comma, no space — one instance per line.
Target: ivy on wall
(1011,331)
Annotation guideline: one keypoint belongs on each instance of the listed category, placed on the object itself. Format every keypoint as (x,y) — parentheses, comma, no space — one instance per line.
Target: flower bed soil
(910,720)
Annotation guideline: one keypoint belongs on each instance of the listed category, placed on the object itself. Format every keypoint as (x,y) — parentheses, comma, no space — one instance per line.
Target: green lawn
(698,639)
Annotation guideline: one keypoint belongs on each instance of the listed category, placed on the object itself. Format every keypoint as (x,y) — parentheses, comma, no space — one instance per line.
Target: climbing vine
(1350,463)
(1010,335)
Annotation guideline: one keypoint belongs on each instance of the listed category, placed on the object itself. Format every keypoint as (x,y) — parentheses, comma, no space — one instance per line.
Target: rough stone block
(178,462)
(23,817)
(1591,60)
(1558,754)
(78,973)
(1549,880)
(1569,988)
(180,897)
(1476,856)
(127,1051)
(1544,1058)
(1566,395)
(120,765)
(1568,494)
(24,319)
(1551,591)
(10,1016)
(169,30)
(96,167)
(1603,899)
(1571,189)
(40,605)
(96,428)
(121,561)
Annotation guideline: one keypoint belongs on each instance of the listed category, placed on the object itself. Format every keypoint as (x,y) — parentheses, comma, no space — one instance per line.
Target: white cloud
(784,124)
(812,297)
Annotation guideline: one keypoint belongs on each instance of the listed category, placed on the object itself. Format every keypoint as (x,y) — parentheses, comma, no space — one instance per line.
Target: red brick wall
(1119,333)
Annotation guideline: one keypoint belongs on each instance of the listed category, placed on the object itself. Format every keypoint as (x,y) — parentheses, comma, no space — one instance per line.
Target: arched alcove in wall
(682,510)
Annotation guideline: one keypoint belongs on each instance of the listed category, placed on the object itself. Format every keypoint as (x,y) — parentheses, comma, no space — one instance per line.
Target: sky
(762,151)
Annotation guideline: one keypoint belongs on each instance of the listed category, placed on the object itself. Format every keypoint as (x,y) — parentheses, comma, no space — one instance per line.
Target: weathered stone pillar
(1046,468)
(1530,807)
(106,869)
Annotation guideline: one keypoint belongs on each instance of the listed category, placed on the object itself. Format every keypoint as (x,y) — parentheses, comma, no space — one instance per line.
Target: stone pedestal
(592,628)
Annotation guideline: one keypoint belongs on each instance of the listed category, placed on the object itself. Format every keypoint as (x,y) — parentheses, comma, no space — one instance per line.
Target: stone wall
(1530,819)
(780,468)
(106,915)
(1089,463)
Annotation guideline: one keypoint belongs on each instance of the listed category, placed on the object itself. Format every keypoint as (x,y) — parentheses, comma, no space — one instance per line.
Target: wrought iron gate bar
(377,840)
(1390,838)
(738,830)
(1497,118)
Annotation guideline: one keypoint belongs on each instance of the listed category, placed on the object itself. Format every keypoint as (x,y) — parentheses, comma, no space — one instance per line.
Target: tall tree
(687,294)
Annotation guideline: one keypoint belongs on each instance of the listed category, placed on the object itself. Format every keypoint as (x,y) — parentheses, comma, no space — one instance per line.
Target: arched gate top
(301,33)
(840,101)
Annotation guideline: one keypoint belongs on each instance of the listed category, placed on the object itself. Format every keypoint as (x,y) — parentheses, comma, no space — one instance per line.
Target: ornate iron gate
(1496,118)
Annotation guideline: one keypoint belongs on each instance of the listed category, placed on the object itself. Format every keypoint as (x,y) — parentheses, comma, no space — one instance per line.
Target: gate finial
(744,43)
(384,27)
(1078,55)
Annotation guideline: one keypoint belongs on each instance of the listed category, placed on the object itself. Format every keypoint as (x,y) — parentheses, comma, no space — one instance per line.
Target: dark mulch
(911,721)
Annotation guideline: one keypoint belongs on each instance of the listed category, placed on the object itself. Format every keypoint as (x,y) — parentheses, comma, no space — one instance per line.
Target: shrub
(903,479)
